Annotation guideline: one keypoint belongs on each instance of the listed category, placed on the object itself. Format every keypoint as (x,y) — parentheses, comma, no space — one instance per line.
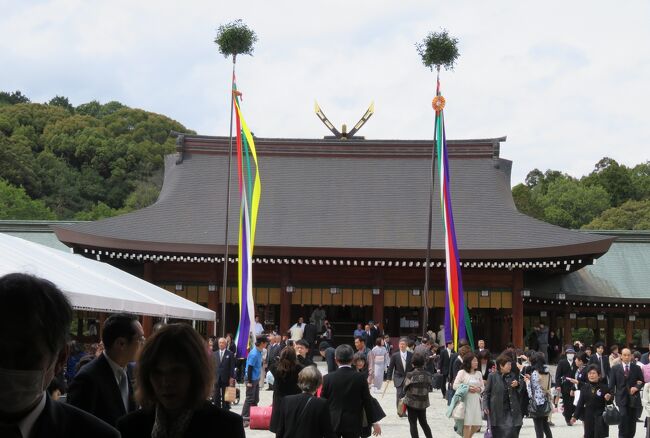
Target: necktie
(627,370)
(10,431)
(124,390)
(220,356)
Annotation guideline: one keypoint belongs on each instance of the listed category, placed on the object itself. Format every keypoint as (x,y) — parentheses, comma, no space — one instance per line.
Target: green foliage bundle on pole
(235,38)
(438,49)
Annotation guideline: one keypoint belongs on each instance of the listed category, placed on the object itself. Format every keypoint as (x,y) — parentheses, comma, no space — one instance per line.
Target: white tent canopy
(92,285)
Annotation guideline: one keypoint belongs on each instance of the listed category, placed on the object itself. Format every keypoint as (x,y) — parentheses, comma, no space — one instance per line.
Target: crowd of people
(177,384)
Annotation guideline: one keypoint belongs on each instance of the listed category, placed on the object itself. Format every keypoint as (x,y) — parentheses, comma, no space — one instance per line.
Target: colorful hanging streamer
(250,190)
(457,320)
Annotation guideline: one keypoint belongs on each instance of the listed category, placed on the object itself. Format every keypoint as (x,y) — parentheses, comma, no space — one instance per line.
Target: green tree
(570,204)
(640,176)
(526,201)
(61,101)
(12,98)
(17,166)
(92,108)
(614,178)
(99,211)
(16,204)
(632,215)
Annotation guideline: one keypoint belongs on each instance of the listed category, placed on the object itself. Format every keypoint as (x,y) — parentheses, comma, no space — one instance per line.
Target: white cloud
(565,81)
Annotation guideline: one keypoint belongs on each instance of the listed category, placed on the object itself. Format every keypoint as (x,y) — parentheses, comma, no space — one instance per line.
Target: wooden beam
(567,332)
(517,308)
(629,330)
(378,300)
(285,299)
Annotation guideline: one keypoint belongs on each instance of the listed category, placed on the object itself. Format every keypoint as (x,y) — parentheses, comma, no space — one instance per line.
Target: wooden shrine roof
(331,198)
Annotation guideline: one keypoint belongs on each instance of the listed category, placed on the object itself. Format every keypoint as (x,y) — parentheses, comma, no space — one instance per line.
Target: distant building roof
(622,274)
(35,231)
(336,198)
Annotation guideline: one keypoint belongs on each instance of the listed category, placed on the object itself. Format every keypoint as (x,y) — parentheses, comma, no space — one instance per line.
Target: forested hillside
(611,197)
(58,161)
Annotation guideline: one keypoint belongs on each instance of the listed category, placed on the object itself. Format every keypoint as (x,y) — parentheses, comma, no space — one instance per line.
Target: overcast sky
(567,82)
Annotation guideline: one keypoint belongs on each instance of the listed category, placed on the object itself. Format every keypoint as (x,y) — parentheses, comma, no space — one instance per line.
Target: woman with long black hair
(538,384)
(285,373)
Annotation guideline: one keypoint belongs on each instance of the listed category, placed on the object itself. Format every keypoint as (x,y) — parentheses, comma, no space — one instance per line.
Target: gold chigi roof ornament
(438,103)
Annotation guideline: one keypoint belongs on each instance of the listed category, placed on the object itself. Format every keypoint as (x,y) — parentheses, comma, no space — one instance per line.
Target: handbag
(438,380)
(401,407)
(488,432)
(230,394)
(458,413)
(611,415)
(538,411)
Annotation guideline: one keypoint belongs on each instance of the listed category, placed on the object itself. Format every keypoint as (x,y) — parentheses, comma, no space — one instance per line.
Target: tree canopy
(612,196)
(81,162)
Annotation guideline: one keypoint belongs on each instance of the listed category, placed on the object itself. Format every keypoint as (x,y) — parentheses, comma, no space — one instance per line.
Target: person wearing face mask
(30,357)
(566,371)
(175,378)
(103,387)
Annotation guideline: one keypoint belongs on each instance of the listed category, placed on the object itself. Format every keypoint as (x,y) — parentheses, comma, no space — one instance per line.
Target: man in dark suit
(309,334)
(626,382)
(566,369)
(328,353)
(601,360)
(102,388)
(274,349)
(347,395)
(35,318)
(224,361)
(400,364)
(443,365)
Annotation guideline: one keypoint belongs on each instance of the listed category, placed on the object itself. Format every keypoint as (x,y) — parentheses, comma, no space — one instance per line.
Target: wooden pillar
(629,329)
(102,319)
(147,321)
(285,300)
(567,335)
(517,308)
(609,335)
(213,299)
(378,300)
(505,321)
(147,325)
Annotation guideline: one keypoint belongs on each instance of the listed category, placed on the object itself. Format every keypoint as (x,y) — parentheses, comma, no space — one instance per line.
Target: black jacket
(396,370)
(309,334)
(592,400)
(225,368)
(274,354)
(500,396)
(329,358)
(304,416)
(347,395)
(95,390)
(593,360)
(620,385)
(283,385)
(565,370)
(60,420)
(207,421)
(445,360)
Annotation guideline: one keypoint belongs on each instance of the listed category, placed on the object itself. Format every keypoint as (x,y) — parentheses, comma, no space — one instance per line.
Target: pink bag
(260,417)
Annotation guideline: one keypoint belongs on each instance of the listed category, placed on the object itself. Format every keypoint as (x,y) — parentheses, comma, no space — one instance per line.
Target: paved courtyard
(441,426)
